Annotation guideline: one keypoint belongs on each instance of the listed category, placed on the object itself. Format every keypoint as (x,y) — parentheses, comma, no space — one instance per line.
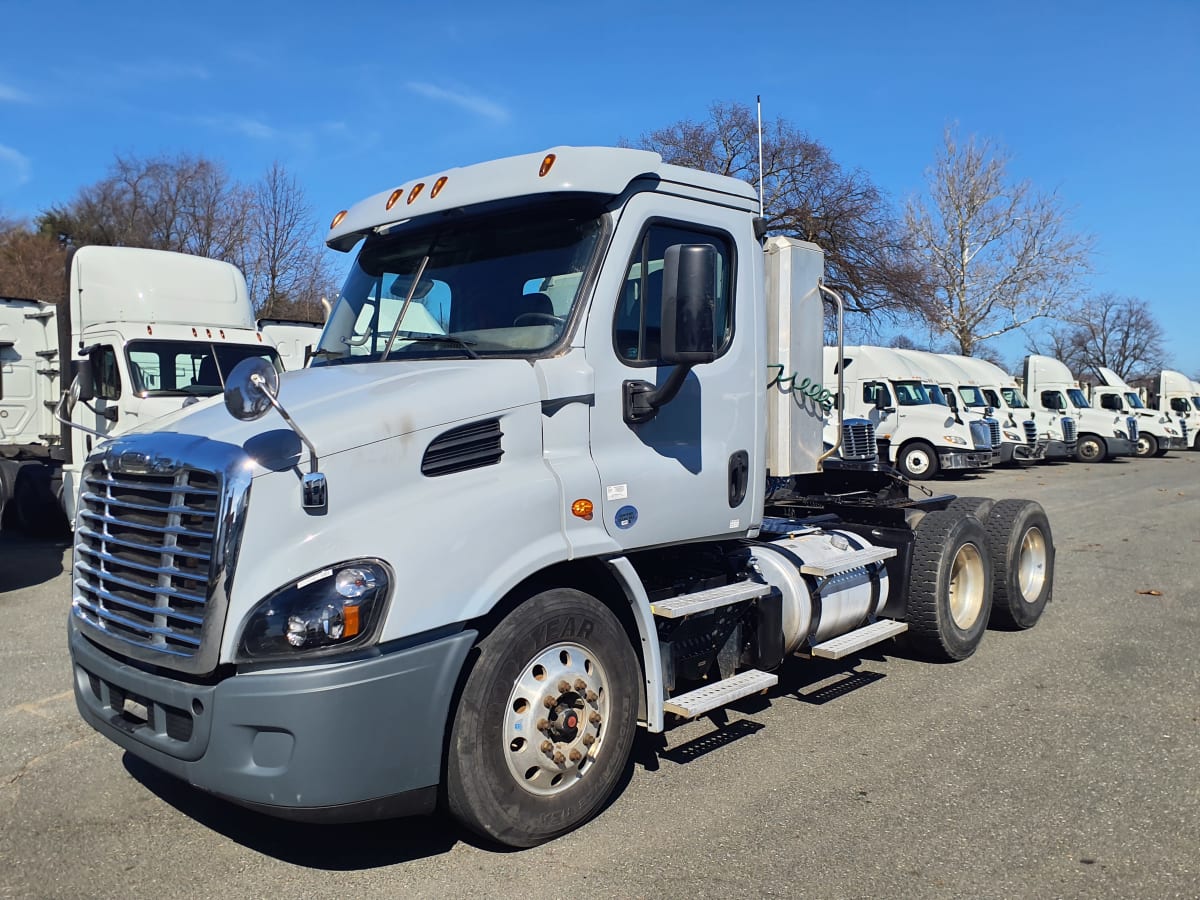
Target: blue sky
(1098,100)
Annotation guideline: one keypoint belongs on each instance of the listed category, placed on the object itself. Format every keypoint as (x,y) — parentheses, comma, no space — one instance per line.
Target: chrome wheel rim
(554,720)
(1031,564)
(966,586)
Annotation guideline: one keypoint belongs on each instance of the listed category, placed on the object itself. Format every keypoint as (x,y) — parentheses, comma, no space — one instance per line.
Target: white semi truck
(150,330)
(921,438)
(1017,421)
(1176,395)
(465,563)
(1101,433)
(1158,432)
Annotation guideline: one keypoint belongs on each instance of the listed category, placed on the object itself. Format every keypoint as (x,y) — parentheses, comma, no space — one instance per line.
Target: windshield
(971,395)
(1078,399)
(188,368)
(1135,402)
(502,284)
(910,393)
(1196,402)
(936,395)
(1014,398)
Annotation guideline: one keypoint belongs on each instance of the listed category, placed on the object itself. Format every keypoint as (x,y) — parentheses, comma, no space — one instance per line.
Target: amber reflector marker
(417,188)
(582,509)
(337,220)
(350,623)
(396,195)
(437,187)
(547,165)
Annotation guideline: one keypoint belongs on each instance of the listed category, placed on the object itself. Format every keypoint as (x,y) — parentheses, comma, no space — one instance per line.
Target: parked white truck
(1101,433)
(1176,394)
(921,437)
(1158,432)
(1017,421)
(467,562)
(150,331)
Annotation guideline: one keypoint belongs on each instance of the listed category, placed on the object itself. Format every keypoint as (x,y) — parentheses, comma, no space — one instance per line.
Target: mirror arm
(642,399)
(259,383)
(61,415)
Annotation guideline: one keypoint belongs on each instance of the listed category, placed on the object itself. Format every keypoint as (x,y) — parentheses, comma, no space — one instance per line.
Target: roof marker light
(547,165)
(396,195)
(415,192)
(437,187)
(337,220)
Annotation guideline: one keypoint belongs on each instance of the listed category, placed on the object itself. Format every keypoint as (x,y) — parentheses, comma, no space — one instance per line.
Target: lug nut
(547,748)
(549,702)
(592,697)
(543,725)
(594,718)
(588,740)
(559,759)
(575,756)
(564,686)
(580,685)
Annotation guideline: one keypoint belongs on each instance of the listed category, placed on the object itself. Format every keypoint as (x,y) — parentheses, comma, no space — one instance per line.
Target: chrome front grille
(155,543)
(994,426)
(858,440)
(1132,426)
(1068,429)
(1030,431)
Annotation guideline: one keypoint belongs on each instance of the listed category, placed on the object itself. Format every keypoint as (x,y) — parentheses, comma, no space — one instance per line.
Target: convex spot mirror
(689,304)
(250,388)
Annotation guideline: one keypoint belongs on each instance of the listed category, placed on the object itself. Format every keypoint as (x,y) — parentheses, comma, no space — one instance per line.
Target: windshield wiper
(441,338)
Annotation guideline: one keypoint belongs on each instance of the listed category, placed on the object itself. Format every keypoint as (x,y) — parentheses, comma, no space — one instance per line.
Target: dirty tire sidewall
(481,791)
(917,461)
(1007,526)
(1147,445)
(932,631)
(1091,449)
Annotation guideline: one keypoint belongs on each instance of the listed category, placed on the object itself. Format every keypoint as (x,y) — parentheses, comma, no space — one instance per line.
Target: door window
(106,373)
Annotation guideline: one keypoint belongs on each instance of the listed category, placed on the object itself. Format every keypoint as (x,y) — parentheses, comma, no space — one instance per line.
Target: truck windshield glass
(501,284)
(1134,401)
(188,368)
(910,393)
(1077,399)
(1014,398)
(936,395)
(1196,403)
(971,395)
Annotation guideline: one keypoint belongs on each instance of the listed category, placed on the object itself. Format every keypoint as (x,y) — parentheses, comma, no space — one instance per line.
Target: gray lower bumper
(965,459)
(1029,452)
(1060,450)
(1120,446)
(1174,443)
(357,740)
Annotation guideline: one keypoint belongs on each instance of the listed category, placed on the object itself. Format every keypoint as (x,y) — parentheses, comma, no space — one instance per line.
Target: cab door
(697,469)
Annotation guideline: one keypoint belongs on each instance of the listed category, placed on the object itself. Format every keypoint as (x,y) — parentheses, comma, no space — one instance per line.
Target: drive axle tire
(979,507)
(1022,550)
(950,595)
(36,508)
(1147,445)
(546,720)
(917,461)
(1091,449)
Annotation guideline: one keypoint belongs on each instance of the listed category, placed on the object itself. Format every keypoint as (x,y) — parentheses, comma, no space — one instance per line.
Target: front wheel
(1147,445)
(917,461)
(546,720)
(1091,449)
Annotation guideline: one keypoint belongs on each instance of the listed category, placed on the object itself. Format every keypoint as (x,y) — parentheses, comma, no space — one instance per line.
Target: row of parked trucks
(556,470)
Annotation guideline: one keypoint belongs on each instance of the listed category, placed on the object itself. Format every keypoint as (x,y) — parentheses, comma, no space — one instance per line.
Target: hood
(346,406)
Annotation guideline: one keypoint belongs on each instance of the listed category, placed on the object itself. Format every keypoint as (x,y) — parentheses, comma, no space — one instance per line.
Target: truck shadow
(25,562)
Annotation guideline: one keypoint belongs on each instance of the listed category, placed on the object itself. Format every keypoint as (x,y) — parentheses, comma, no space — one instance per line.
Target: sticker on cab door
(626,517)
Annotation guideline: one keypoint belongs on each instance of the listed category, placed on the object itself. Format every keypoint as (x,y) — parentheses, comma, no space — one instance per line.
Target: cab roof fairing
(589,170)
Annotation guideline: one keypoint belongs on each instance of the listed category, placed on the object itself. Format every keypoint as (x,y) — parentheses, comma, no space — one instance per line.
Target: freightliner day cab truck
(1062,431)
(1000,392)
(150,330)
(1158,431)
(965,399)
(888,389)
(1100,433)
(1177,395)
(464,563)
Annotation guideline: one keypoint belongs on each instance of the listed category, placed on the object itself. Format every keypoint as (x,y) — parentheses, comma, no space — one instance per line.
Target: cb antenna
(761,214)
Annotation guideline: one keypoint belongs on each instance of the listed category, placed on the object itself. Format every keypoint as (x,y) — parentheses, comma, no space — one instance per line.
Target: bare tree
(1119,333)
(32,263)
(1000,254)
(807,195)
(285,268)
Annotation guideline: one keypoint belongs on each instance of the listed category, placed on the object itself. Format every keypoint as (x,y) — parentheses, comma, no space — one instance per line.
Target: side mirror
(250,388)
(880,401)
(689,304)
(83,384)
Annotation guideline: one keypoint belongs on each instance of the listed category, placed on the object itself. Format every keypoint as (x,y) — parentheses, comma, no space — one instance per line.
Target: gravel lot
(1062,761)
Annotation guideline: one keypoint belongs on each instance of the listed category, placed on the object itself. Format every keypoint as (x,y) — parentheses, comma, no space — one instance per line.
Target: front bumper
(1174,443)
(964,459)
(1120,446)
(1060,449)
(346,742)
(1029,452)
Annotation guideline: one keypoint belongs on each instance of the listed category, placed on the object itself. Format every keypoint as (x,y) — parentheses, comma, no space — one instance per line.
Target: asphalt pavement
(1059,762)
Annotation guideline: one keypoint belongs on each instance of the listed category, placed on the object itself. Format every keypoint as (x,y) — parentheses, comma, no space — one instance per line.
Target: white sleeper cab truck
(965,400)
(922,437)
(1052,407)
(464,557)
(146,330)
(294,340)
(1177,396)
(1017,423)
(1158,431)
(1100,433)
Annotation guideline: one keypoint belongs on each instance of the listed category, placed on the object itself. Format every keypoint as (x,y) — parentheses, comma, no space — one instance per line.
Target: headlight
(1013,436)
(954,439)
(1171,430)
(328,611)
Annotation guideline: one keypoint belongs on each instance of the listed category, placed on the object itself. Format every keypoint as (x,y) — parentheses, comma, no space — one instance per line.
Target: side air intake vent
(466,447)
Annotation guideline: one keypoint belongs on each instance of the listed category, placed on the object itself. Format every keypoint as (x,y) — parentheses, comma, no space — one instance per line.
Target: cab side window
(638,322)
(873,389)
(1110,401)
(106,373)
(1052,400)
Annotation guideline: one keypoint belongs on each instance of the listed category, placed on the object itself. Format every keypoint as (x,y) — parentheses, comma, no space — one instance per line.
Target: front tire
(950,594)
(1022,551)
(546,721)
(917,461)
(1147,445)
(1091,449)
